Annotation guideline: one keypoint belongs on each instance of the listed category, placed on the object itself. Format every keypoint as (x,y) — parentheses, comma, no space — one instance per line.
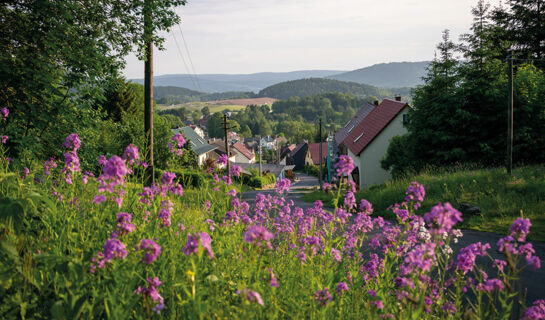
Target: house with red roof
(368,142)
(242,154)
(312,156)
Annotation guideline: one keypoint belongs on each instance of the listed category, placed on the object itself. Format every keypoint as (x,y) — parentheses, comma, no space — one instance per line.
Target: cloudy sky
(247,36)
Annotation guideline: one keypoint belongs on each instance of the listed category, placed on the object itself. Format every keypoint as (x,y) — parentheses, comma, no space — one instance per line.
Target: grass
(192,106)
(500,197)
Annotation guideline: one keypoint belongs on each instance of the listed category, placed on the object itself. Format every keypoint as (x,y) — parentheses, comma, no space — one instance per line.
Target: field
(78,245)
(499,197)
(219,105)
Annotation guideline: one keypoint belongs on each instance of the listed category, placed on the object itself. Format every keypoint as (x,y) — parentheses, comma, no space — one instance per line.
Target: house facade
(312,156)
(197,143)
(242,154)
(368,142)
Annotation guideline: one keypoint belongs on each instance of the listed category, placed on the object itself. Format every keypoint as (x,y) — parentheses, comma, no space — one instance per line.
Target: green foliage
(186,178)
(314,86)
(260,182)
(175,95)
(215,125)
(314,170)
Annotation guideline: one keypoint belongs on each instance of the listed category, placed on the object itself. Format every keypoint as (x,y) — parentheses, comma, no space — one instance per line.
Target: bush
(260,182)
(187,179)
(314,170)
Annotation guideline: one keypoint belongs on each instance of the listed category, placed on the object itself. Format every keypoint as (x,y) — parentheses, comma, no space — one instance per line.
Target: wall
(370,170)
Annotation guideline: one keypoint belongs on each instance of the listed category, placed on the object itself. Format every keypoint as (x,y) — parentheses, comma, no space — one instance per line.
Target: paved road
(534,281)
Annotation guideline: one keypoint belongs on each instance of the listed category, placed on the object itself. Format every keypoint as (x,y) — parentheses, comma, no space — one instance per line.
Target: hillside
(387,75)
(235,82)
(312,86)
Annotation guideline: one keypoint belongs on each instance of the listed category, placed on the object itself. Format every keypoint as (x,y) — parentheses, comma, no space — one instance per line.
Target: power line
(183,60)
(189,56)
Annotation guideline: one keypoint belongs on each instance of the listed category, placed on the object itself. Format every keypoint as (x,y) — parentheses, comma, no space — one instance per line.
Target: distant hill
(387,75)
(312,86)
(235,82)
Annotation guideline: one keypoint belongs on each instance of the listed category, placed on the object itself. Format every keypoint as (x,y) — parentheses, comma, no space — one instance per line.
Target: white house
(242,154)
(197,143)
(368,141)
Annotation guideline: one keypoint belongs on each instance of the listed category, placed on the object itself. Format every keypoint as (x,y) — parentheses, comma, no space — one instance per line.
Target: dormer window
(351,128)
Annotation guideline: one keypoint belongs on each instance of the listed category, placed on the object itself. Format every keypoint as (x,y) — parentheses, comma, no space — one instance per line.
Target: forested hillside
(387,75)
(176,95)
(311,86)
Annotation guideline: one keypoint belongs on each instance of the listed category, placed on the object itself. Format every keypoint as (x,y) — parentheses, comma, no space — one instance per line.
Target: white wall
(370,170)
(356,160)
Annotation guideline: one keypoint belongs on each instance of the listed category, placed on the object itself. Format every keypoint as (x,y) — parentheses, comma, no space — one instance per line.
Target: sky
(248,36)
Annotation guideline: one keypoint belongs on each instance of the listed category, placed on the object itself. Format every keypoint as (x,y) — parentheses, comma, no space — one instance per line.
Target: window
(405,119)
(351,128)
(361,135)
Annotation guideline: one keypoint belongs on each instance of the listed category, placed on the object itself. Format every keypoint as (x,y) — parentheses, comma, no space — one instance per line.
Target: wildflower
(113,172)
(377,304)
(534,262)
(449,307)
(421,257)
(168,177)
(192,245)
(24,173)
(251,296)
(71,162)
(442,218)
(500,264)
(223,160)
(283,185)
(520,229)
(151,291)
(372,293)
(227,180)
(113,248)
(131,153)
(177,190)
(4,113)
(416,193)
(102,160)
(490,284)
(341,286)
(536,311)
(235,171)
(349,200)
(272,278)
(366,207)
(258,236)
(99,199)
(465,261)
(345,165)
(232,192)
(72,142)
(165,212)
(336,254)
(322,297)
(179,141)
(211,224)
(4,139)
(124,224)
(151,248)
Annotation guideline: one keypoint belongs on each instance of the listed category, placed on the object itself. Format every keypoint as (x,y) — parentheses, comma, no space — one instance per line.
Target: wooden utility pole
(260,151)
(320,148)
(225,128)
(148,90)
(510,116)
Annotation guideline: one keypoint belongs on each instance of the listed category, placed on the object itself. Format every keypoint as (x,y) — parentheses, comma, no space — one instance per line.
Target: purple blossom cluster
(193,241)
(251,296)
(323,297)
(283,185)
(124,224)
(151,291)
(131,154)
(258,236)
(177,144)
(222,160)
(235,171)
(344,166)
(151,250)
(4,113)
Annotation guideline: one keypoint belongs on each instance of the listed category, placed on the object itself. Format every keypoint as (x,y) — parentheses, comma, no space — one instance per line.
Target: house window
(351,128)
(361,135)
(405,119)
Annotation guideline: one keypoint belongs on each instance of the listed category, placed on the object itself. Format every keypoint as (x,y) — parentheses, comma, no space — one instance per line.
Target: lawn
(192,106)
(500,197)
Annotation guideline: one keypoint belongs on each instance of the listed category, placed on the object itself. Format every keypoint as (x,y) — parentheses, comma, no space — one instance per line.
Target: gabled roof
(275,169)
(354,122)
(198,144)
(314,149)
(372,125)
(243,150)
(220,147)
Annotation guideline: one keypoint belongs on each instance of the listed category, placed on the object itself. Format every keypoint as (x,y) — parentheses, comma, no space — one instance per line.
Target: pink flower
(151,248)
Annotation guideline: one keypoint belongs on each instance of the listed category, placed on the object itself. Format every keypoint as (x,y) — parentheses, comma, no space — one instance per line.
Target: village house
(197,144)
(296,157)
(312,156)
(351,125)
(368,142)
(242,154)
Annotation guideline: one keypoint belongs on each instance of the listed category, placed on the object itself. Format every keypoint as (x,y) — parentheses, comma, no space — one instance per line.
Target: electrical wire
(185,64)
(189,56)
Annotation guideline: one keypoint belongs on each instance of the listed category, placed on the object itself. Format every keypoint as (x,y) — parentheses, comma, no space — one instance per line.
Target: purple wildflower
(536,311)
(366,207)
(322,297)
(251,296)
(165,212)
(258,236)
(272,278)
(4,113)
(151,291)
(442,218)
(72,142)
(102,160)
(345,165)
(192,245)
(99,199)
(349,200)
(177,147)
(520,229)
(377,304)
(113,248)
(167,178)
(24,173)
(124,224)
(416,193)
(341,286)
(235,171)
(151,248)
(283,185)
(4,139)
(490,284)
(223,160)
(131,154)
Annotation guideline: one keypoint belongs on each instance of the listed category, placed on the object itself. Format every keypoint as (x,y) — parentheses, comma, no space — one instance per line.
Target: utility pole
(320,148)
(510,116)
(277,153)
(148,90)
(260,151)
(225,128)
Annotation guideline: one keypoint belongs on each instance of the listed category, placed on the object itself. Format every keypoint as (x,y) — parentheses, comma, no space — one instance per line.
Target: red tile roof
(242,149)
(372,125)
(314,149)
(353,123)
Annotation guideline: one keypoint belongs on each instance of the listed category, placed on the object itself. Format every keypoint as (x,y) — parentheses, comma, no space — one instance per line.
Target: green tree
(215,125)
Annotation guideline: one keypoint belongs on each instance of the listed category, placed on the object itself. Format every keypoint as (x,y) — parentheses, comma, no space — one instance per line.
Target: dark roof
(314,149)
(297,155)
(220,147)
(242,149)
(353,123)
(198,144)
(373,124)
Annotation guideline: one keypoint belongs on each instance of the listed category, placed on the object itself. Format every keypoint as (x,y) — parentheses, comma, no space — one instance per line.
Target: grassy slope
(501,198)
(192,106)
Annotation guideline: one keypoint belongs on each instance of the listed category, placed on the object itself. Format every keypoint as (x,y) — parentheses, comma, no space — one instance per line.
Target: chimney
(376,102)
(398,98)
